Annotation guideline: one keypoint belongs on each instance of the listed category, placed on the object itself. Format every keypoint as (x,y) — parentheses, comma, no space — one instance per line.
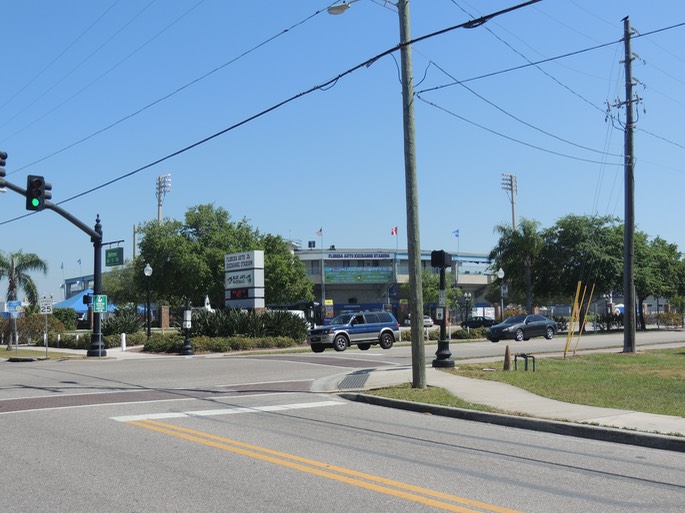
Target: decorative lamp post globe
(147,271)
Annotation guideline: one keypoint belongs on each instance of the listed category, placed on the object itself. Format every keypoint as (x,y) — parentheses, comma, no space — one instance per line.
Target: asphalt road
(244,434)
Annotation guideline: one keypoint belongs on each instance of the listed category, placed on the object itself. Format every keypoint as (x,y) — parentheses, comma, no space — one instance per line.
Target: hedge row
(173,343)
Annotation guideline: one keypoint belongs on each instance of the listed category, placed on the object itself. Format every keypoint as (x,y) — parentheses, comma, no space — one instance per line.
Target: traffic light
(3,161)
(37,192)
(440,259)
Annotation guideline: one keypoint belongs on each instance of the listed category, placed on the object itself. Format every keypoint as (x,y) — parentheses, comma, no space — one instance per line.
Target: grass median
(39,354)
(650,381)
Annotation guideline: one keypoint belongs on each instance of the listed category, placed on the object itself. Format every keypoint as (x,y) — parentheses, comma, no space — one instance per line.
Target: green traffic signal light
(35,192)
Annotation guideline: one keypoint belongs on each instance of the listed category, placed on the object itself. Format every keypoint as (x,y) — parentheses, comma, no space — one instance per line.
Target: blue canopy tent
(76,302)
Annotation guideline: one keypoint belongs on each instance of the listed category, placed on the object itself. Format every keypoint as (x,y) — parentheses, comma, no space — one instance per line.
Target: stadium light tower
(163,186)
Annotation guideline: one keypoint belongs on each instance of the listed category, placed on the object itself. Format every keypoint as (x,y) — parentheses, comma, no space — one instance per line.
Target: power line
(69,46)
(322,86)
(68,74)
(171,94)
(548,59)
(529,125)
(513,139)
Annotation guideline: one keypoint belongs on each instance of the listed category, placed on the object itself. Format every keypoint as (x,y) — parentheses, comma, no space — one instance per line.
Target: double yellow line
(444,501)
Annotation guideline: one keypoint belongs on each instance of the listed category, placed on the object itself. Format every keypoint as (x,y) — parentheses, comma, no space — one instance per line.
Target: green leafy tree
(516,253)
(588,249)
(658,272)
(285,274)
(187,259)
(16,268)
(120,286)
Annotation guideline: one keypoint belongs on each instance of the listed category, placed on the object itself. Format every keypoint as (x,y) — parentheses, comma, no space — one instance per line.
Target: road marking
(352,477)
(226,411)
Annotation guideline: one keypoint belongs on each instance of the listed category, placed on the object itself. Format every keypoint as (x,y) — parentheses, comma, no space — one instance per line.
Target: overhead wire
(321,86)
(172,93)
(71,72)
(59,55)
(102,75)
(542,70)
(523,122)
(508,137)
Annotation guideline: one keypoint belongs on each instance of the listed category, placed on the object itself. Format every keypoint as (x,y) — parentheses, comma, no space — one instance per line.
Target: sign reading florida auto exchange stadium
(244,279)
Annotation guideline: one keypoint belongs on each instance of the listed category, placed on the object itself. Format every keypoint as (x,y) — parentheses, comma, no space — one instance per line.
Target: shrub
(67,316)
(670,320)
(233,322)
(31,328)
(173,343)
(124,320)
(469,334)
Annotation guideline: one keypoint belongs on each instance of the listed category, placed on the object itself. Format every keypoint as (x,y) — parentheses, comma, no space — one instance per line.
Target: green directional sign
(114,256)
(100,303)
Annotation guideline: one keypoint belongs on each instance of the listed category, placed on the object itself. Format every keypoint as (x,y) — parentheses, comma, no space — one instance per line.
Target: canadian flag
(393,231)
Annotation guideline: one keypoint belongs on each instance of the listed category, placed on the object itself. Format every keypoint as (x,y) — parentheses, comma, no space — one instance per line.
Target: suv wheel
(340,343)
(386,341)
(364,347)
(318,348)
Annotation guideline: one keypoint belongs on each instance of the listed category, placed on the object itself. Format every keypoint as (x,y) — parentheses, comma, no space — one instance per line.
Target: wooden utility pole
(418,352)
(629,218)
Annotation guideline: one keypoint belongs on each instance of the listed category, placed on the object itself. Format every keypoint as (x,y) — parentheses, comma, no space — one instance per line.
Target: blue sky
(93,91)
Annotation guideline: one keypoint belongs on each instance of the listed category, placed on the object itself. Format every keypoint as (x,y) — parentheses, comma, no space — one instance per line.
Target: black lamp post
(443,356)
(467,305)
(500,275)
(187,318)
(148,274)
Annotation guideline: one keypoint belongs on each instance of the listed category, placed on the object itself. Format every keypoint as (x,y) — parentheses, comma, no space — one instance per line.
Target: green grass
(430,395)
(650,381)
(38,354)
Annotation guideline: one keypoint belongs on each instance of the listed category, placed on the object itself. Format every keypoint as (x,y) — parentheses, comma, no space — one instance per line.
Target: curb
(605,434)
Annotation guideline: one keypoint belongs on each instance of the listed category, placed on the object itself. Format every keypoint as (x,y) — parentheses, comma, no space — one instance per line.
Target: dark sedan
(478,322)
(522,327)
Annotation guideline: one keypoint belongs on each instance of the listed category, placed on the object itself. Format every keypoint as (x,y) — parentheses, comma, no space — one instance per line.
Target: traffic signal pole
(97,347)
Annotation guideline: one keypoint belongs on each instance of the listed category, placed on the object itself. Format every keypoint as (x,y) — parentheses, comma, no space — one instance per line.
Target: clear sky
(94,91)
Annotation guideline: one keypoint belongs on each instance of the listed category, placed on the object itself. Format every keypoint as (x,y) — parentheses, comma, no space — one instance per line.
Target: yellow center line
(352,477)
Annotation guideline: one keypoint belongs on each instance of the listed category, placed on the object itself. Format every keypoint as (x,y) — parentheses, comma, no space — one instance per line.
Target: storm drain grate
(355,380)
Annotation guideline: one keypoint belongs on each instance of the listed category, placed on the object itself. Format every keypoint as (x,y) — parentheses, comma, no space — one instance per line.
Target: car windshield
(515,319)
(341,319)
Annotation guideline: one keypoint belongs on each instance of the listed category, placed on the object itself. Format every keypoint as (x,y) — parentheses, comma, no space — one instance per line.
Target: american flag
(319,232)
(393,231)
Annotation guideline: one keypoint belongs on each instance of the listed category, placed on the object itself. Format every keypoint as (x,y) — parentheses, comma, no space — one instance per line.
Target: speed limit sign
(45,306)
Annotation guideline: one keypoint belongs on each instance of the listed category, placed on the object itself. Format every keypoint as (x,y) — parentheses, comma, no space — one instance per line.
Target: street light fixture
(147,271)
(340,8)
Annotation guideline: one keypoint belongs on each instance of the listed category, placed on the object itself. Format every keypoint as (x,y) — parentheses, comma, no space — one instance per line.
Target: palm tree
(516,252)
(15,267)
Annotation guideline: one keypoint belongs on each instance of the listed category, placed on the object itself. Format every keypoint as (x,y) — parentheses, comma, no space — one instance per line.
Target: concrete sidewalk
(524,409)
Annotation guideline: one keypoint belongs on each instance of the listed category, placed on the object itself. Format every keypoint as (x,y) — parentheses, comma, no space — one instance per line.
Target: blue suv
(362,329)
